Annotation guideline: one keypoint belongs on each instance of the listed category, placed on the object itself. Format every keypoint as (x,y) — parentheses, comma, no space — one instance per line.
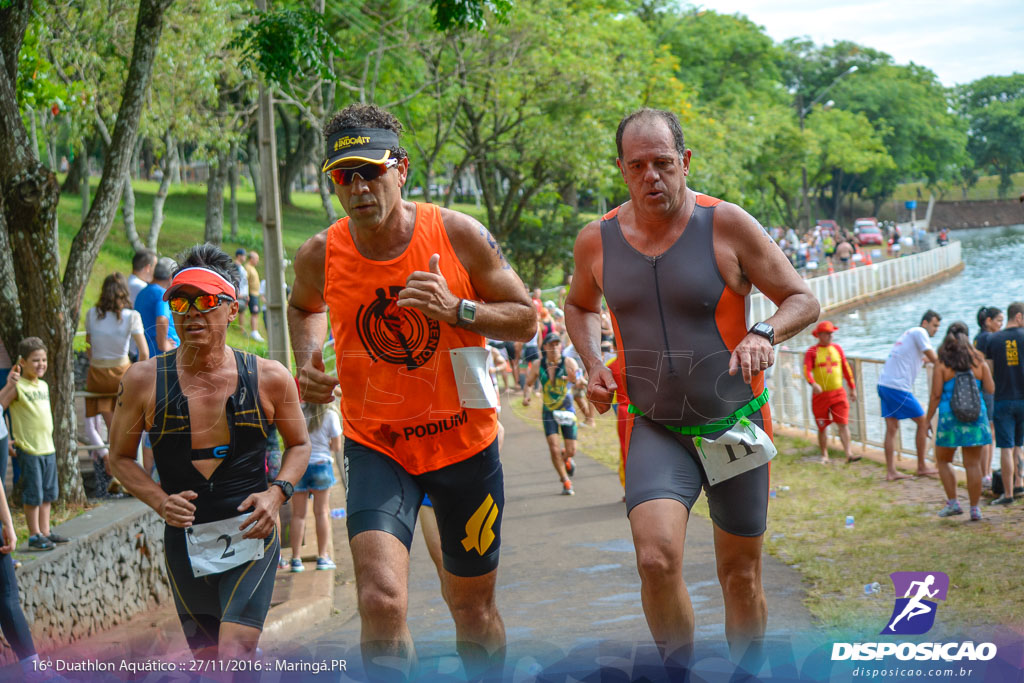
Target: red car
(828,224)
(868,232)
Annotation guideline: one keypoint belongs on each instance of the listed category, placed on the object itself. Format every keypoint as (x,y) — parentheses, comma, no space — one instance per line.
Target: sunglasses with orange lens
(204,303)
(345,176)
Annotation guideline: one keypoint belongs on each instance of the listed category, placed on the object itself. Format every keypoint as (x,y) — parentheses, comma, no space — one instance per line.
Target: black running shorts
(238,596)
(468,499)
(664,464)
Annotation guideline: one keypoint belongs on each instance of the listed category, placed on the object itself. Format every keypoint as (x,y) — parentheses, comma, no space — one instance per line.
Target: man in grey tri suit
(676,267)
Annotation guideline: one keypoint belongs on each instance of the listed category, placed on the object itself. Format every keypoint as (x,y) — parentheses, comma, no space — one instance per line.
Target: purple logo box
(901,583)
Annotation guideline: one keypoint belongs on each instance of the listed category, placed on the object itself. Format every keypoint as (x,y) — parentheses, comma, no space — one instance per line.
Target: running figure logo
(914,613)
(401,336)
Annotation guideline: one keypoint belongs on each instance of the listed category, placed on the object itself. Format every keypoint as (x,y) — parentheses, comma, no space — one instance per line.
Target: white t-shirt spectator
(109,336)
(320,440)
(905,359)
(135,285)
(242,289)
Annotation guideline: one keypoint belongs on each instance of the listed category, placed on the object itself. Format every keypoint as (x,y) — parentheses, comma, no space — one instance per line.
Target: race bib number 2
(741,449)
(216,547)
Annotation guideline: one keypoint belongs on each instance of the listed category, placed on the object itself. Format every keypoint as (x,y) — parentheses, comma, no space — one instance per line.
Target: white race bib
(472,378)
(566,418)
(742,448)
(216,547)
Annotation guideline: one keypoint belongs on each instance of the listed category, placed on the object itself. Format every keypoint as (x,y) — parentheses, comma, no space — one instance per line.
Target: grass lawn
(184,221)
(895,529)
(986,188)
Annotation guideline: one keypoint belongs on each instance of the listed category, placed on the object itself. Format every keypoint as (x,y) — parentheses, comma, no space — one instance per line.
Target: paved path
(568,588)
(568,578)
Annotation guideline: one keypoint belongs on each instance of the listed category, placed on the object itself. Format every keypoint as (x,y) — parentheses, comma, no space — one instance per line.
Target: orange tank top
(398,388)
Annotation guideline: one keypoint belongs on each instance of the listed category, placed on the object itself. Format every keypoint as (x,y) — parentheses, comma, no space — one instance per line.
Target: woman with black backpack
(958,380)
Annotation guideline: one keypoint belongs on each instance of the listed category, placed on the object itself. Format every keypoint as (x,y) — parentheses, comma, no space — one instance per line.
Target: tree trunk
(127,191)
(168,164)
(49,142)
(10,321)
(30,203)
(128,213)
(325,186)
(32,130)
(252,154)
(283,180)
(48,305)
(73,180)
(233,184)
(176,170)
(147,160)
(214,233)
(305,148)
(83,181)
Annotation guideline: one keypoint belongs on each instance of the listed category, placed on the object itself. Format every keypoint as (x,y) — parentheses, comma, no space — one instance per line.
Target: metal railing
(791,400)
(862,282)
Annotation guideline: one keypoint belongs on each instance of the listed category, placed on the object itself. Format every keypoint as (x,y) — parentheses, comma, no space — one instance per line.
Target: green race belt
(718,425)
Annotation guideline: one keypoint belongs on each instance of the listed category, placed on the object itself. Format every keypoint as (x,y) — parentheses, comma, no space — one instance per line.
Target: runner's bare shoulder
(275,382)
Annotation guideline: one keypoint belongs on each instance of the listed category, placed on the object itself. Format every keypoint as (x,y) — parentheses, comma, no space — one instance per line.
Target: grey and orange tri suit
(676,324)
(240,595)
(406,432)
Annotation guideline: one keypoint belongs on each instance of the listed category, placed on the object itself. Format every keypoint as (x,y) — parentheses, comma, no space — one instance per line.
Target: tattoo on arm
(495,247)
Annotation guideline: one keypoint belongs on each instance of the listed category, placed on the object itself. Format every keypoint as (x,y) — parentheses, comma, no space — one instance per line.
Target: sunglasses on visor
(204,303)
(345,176)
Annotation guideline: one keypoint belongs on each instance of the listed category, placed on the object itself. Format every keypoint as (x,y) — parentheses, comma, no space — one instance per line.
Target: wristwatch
(467,312)
(765,330)
(286,488)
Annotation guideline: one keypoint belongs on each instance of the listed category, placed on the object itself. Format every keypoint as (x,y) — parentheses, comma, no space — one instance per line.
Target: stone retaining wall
(111,570)
(977,214)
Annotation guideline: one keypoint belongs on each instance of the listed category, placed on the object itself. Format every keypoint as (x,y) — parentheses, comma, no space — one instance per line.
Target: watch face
(468,311)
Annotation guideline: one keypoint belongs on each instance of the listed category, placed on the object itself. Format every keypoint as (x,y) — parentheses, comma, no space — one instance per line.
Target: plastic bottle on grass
(849,521)
(872,588)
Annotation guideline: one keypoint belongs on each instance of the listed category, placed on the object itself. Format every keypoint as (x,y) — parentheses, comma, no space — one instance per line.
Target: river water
(993,276)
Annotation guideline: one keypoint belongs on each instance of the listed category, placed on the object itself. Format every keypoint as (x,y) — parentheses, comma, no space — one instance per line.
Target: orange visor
(203,279)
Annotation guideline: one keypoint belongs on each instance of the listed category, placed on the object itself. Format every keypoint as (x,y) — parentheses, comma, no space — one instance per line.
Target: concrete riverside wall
(112,569)
(977,214)
(857,285)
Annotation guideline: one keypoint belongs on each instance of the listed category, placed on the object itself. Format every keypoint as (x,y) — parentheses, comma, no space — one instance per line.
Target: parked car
(828,224)
(865,222)
(869,234)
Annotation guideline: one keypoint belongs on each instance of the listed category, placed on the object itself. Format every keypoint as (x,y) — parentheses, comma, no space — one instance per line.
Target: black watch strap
(764,330)
(286,488)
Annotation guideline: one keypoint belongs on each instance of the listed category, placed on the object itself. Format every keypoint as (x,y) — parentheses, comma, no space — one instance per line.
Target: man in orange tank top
(412,290)
(675,268)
